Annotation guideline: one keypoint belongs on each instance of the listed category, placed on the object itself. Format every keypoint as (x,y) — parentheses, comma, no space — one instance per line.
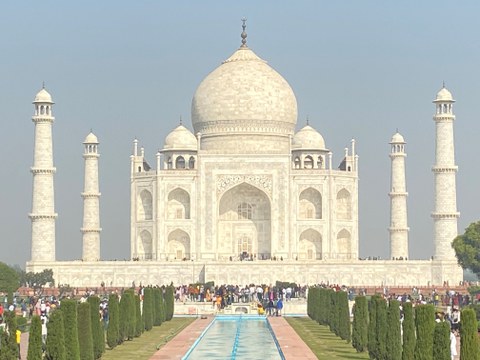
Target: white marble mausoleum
(246,196)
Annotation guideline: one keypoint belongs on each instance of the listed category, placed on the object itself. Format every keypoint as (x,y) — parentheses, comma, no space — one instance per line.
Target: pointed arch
(344,244)
(244,222)
(145,245)
(191,163)
(178,245)
(178,204)
(180,162)
(310,245)
(344,205)
(145,206)
(310,204)
(296,162)
(308,162)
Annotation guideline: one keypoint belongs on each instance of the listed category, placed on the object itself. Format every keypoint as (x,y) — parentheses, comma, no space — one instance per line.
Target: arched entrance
(244,222)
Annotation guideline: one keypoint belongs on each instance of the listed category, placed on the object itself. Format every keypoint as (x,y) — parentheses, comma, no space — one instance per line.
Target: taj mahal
(245,197)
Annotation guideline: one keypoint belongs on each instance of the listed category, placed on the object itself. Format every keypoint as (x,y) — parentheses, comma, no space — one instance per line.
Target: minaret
(398,200)
(43,211)
(91,209)
(445,215)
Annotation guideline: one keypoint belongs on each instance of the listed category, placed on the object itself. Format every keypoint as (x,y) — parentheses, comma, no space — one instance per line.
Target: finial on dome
(43,84)
(244,34)
(308,121)
(181,123)
(443,85)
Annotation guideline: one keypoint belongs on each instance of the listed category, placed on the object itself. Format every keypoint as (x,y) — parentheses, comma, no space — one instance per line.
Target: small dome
(43,97)
(397,138)
(91,139)
(444,95)
(180,139)
(308,138)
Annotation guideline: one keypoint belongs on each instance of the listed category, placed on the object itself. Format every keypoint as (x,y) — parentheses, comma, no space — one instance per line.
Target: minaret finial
(43,84)
(181,120)
(308,121)
(444,84)
(244,34)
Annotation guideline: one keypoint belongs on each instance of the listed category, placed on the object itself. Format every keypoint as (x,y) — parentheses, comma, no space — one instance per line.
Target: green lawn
(145,346)
(324,344)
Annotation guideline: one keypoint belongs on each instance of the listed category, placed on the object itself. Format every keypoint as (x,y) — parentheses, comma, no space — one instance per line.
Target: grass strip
(323,343)
(143,347)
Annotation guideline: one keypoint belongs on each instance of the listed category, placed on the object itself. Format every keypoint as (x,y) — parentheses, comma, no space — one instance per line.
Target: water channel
(236,337)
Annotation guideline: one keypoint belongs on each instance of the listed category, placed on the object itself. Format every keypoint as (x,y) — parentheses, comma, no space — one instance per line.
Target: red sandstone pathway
(292,346)
(180,344)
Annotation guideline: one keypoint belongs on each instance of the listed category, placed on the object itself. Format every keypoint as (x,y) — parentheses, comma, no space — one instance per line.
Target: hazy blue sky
(359,69)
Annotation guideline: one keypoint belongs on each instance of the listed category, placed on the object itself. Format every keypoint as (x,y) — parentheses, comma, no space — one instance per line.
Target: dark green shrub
(343,316)
(113,322)
(468,335)
(148,308)
(408,332)
(360,324)
(441,341)
(130,315)
(139,325)
(35,339)
(393,338)
(157,306)
(55,347)
(381,328)
(72,348)
(98,334)
(372,327)
(425,325)
(85,339)
(9,347)
(169,302)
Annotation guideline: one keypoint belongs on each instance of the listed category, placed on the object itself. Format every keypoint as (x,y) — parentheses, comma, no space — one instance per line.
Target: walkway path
(180,344)
(24,345)
(291,344)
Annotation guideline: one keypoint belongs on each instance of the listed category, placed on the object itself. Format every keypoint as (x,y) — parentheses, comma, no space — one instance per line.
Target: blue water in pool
(236,338)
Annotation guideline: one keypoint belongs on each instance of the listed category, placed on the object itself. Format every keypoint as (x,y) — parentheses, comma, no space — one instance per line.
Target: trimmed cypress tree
(123,318)
(343,316)
(468,335)
(381,328)
(6,349)
(441,341)
(55,347)
(147,308)
(372,327)
(169,302)
(393,337)
(72,348)
(163,307)
(11,320)
(139,325)
(98,334)
(85,339)
(130,315)
(408,332)
(157,294)
(113,322)
(360,324)
(425,325)
(35,339)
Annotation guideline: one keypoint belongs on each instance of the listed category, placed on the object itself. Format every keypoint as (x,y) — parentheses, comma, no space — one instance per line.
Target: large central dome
(244,95)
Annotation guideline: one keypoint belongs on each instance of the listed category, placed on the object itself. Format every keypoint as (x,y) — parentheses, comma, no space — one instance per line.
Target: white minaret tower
(43,211)
(398,200)
(445,215)
(91,209)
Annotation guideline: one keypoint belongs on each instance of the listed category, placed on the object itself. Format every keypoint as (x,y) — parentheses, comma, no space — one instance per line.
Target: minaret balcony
(398,193)
(42,216)
(48,170)
(445,169)
(438,215)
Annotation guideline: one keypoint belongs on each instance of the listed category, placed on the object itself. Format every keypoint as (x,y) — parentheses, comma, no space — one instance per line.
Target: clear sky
(128,69)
